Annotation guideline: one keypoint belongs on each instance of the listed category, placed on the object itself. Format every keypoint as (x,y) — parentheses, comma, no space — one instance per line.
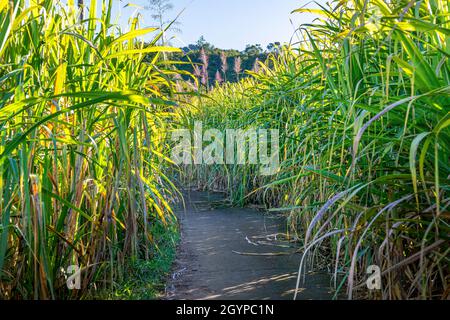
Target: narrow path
(209,267)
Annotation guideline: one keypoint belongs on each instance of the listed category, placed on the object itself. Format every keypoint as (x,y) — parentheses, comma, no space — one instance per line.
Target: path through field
(209,267)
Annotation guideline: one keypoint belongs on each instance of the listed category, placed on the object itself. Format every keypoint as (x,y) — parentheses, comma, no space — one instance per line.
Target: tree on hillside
(273,47)
(200,44)
(203,44)
(253,50)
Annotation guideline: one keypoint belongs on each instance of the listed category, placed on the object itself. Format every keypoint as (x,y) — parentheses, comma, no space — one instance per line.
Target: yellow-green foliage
(82,114)
(362,102)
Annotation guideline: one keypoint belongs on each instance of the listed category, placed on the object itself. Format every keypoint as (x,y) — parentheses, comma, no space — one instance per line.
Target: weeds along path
(238,254)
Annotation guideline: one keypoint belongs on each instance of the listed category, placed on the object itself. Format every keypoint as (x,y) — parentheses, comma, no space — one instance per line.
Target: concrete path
(237,254)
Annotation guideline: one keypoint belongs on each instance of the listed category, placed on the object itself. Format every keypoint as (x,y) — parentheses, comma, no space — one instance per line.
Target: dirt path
(208,266)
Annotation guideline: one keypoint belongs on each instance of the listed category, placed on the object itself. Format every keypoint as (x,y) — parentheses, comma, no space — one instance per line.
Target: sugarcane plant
(83,108)
(362,102)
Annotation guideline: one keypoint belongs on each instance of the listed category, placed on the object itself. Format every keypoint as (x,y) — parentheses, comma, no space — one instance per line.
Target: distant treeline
(221,65)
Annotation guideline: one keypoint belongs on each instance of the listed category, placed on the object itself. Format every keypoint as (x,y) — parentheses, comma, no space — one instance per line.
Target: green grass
(146,279)
(362,102)
(83,110)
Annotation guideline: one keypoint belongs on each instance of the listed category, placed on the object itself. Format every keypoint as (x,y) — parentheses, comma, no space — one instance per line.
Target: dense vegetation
(362,105)
(221,65)
(82,115)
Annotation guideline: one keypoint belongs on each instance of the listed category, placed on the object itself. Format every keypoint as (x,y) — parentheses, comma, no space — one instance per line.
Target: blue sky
(228,24)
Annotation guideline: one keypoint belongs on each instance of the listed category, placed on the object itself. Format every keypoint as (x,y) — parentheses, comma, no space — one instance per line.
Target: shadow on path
(208,264)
